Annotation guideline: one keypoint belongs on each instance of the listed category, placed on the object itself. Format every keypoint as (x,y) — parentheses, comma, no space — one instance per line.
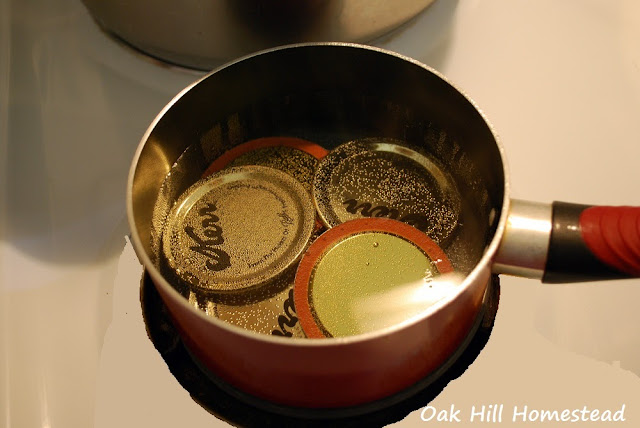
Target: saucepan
(202,34)
(332,93)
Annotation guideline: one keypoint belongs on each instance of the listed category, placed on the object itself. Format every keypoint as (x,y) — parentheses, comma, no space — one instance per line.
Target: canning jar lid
(235,233)
(274,315)
(383,177)
(289,154)
(367,274)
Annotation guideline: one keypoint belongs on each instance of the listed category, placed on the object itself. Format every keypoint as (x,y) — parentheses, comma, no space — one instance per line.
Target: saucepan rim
(473,276)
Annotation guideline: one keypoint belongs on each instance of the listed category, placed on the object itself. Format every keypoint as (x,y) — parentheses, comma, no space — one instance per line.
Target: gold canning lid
(297,163)
(367,274)
(382,177)
(236,233)
(274,316)
(297,157)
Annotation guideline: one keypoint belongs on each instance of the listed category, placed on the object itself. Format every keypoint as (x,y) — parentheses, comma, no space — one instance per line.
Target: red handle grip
(593,243)
(612,234)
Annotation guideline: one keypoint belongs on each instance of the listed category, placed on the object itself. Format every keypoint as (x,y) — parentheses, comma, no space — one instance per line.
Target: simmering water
(394,282)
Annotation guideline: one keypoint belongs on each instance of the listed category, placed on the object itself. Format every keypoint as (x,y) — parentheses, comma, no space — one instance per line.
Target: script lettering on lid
(289,319)
(367,209)
(218,259)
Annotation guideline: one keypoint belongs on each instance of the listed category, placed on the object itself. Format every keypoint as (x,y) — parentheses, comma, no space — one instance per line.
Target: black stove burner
(239,409)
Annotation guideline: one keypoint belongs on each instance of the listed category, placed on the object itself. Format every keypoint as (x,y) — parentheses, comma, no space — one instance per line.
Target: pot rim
(476,273)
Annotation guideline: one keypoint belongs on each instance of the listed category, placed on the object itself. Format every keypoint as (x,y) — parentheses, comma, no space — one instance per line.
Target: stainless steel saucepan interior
(329,94)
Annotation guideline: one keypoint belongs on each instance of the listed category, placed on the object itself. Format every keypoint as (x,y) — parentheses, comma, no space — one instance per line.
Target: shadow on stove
(239,409)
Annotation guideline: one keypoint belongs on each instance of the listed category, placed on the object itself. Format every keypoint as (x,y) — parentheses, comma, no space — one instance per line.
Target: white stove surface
(560,81)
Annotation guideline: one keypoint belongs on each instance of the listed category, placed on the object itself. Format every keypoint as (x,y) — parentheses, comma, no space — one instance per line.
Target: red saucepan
(330,94)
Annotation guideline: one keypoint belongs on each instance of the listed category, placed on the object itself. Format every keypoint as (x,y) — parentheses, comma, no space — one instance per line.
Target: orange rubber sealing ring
(349,228)
(227,157)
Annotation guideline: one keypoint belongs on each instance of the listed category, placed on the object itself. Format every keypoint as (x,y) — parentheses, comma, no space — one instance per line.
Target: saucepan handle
(564,242)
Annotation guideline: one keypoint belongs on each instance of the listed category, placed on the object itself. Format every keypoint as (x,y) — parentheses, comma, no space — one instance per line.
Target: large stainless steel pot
(202,33)
(330,93)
